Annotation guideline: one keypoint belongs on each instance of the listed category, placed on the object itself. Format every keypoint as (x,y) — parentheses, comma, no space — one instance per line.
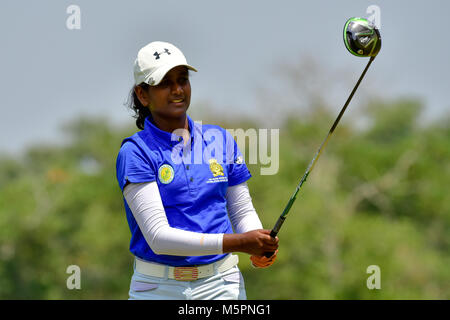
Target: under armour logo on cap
(157,54)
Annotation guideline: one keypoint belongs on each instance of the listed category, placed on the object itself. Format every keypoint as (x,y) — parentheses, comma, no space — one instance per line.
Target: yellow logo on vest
(166,173)
(215,167)
(217,171)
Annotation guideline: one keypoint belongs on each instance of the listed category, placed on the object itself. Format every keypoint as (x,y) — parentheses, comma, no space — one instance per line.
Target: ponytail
(141,112)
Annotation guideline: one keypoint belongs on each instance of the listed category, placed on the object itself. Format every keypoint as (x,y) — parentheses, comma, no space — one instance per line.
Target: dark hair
(141,112)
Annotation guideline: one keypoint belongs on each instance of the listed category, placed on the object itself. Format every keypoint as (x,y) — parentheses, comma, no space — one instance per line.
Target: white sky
(50,74)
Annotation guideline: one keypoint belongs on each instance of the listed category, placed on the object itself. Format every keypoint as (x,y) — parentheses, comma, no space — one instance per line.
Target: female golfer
(185,193)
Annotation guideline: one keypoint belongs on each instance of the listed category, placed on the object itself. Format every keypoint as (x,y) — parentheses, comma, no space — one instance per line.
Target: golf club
(361,39)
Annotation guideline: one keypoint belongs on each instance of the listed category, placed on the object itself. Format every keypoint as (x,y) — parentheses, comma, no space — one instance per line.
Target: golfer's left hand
(262,261)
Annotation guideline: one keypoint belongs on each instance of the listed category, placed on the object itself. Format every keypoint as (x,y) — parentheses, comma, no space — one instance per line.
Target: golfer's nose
(177,89)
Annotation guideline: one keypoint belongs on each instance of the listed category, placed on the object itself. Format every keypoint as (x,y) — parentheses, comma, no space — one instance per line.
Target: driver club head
(361,38)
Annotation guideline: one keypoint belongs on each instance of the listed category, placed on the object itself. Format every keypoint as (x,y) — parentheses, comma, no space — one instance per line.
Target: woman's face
(172,96)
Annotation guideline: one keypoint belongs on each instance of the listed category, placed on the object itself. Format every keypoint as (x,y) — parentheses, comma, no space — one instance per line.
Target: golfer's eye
(183,80)
(164,84)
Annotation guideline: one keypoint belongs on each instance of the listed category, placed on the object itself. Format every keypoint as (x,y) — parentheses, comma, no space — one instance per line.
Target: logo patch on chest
(166,173)
(215,167)
(217,171)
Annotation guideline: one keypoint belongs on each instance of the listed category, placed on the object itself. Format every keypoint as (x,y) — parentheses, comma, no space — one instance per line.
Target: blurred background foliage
(378,196)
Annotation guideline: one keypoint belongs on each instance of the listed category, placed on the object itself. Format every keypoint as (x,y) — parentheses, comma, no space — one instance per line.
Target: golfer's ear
(142,95)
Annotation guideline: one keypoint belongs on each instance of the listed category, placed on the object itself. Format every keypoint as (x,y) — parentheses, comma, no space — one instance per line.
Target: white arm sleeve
(146,205)
(240,208)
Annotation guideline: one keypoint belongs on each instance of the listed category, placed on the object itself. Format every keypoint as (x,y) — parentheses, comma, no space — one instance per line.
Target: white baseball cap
(155,60)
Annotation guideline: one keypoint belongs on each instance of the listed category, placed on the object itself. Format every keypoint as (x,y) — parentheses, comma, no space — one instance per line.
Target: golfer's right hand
(258,242)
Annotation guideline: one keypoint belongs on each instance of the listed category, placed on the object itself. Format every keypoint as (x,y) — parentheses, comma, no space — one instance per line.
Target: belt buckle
(185,273)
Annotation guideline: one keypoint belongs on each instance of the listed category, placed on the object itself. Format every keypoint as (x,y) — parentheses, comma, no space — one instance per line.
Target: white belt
(186,273)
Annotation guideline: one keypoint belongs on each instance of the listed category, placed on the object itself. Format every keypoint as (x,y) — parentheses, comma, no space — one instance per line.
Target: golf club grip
(274,233)
(268,254)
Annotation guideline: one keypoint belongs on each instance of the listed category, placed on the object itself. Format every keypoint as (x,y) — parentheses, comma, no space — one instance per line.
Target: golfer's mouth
(178,103)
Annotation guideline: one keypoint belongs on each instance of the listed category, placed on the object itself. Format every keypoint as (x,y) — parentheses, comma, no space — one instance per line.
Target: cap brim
(155,78)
